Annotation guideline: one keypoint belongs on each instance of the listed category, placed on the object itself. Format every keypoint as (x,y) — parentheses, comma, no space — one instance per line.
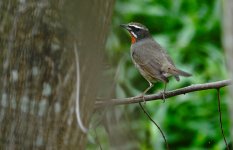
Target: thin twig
(160,130)
(220,119)
(197,87)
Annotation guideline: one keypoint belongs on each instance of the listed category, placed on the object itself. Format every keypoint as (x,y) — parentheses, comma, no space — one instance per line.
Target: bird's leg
(164,90)
(151,85)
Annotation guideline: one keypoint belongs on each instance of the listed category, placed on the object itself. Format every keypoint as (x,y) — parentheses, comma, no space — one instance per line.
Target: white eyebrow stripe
(135,26)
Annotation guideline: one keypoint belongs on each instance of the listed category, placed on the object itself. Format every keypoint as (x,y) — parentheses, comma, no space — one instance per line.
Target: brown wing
(149,59)
(150,56)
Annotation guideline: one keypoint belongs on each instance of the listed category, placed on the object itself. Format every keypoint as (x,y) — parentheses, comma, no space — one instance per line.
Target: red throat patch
(133,39)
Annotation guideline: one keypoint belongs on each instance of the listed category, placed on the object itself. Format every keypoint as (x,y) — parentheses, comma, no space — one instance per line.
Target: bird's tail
(176,71)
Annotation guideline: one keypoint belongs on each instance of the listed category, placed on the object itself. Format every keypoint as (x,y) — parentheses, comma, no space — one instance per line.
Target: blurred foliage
(191,33)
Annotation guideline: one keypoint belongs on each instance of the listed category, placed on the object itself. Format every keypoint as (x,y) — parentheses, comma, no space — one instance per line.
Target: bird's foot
(163,94)
(143,98)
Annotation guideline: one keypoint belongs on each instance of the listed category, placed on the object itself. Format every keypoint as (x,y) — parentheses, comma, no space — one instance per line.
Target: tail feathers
(178,72)
(183,73)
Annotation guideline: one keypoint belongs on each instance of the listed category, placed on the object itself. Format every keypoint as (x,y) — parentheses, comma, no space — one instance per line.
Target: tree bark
(38,70)
(227,28)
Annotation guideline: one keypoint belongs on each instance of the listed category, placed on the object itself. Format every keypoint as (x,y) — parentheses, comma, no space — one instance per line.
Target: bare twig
(220,119)
(197,87)
(160,130)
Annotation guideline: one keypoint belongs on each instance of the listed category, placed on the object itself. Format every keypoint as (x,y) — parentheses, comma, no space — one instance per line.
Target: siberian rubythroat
(150,58)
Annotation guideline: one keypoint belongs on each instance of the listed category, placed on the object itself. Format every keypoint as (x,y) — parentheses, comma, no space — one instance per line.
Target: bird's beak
(125,26)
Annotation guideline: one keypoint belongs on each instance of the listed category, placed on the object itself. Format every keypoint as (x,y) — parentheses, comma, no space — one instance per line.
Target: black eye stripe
(135,28)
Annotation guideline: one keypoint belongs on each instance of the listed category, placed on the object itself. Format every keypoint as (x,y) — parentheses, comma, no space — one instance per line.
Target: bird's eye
(136,29)
(133,28)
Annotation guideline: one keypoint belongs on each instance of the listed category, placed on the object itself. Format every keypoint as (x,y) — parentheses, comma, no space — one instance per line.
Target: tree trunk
(38,70)
(227,29)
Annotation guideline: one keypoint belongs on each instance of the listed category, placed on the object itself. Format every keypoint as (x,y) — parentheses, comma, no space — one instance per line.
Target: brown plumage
(150,58)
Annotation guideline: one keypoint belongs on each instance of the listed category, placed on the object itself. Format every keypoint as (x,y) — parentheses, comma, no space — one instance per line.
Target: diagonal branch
(158,96)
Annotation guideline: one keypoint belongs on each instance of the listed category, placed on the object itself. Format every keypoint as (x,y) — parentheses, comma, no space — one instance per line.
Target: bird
(152,60)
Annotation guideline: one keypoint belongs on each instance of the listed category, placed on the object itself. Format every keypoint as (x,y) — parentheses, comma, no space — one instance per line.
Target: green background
(190,31)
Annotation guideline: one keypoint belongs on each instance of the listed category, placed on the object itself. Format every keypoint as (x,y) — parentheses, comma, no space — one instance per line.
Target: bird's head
(137,31)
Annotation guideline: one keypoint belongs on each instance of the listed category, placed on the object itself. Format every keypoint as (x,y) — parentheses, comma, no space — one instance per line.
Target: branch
(158,96)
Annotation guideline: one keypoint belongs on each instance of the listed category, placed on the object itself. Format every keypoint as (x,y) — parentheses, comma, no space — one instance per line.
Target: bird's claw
(143,98)
(164,98)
